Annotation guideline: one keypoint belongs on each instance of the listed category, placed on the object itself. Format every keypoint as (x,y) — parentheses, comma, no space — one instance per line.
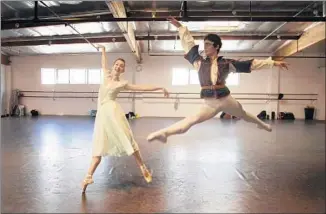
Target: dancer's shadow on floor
(127,184)
(126,181)
(124,186)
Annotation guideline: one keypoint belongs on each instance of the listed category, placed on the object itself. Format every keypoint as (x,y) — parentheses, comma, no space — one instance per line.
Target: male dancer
(213,71)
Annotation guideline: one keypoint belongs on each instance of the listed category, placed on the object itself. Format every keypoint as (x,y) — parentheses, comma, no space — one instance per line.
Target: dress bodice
(110,91)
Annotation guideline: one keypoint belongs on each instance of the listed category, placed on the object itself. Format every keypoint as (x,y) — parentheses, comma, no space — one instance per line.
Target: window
(102,75)
(180,76)
(62,76)
(77,76)
(71,76)
(233,79)
(94,76)
(184,76)
(48,76)
(194,79)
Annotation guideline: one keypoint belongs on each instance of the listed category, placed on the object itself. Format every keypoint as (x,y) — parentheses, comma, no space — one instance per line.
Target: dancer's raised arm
(105,68)
(187,42)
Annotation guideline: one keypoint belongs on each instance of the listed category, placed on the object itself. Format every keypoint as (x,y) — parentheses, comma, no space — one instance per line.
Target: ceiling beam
(53,21)
(223,37)
(105,38)
(310,37)
(212,13)
(62,41)
(157,35)
(118,11)
(23,23)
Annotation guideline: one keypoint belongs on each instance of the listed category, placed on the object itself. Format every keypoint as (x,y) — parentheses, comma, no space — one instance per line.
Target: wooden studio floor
(218,166)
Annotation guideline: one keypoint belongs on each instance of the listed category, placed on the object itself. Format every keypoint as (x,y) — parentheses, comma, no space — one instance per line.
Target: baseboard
(65,115)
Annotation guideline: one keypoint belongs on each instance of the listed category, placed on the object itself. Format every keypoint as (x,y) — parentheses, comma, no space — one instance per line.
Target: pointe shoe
(88,180)
(147,175)
(266,127)
(160,136)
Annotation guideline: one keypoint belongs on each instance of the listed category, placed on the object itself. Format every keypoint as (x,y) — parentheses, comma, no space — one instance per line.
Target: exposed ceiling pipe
(281,25)
(241,56)
(79,15)
(159,34)
(245,10)
(61,37)
(30,41)
(68,25)
(189,18)
(192,13)
(224,37)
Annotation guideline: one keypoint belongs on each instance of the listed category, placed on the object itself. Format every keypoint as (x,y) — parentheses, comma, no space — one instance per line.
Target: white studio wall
(304,76)
(27,77)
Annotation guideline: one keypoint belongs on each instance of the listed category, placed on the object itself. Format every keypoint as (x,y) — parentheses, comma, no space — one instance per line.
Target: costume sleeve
(238,66)
(189,47)
(246,66)
(192,56)
(262,64)
(187,41)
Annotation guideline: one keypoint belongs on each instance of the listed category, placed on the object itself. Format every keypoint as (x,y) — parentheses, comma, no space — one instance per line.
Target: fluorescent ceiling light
(227,45)
(215,26)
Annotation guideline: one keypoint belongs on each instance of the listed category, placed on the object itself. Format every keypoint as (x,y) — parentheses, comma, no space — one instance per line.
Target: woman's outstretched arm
(133,87)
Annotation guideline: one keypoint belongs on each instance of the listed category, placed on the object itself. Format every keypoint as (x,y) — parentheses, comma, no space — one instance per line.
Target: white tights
(210,108)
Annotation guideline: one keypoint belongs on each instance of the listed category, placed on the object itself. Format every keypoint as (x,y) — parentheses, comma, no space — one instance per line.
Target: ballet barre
(177,96)
(162,97)
(190,98)
(177,93)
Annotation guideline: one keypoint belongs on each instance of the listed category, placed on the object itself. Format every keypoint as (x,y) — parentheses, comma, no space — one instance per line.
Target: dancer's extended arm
(259,64)
(132,87)
(246,66)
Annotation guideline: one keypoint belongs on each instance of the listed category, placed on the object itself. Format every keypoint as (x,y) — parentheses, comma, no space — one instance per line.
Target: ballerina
(112,133)
(213,71)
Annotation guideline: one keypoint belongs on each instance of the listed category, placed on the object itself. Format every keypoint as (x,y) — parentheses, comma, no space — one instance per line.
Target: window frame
(55,81)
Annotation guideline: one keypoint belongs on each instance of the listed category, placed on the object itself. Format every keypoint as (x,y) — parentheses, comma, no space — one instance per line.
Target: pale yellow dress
(112,133)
